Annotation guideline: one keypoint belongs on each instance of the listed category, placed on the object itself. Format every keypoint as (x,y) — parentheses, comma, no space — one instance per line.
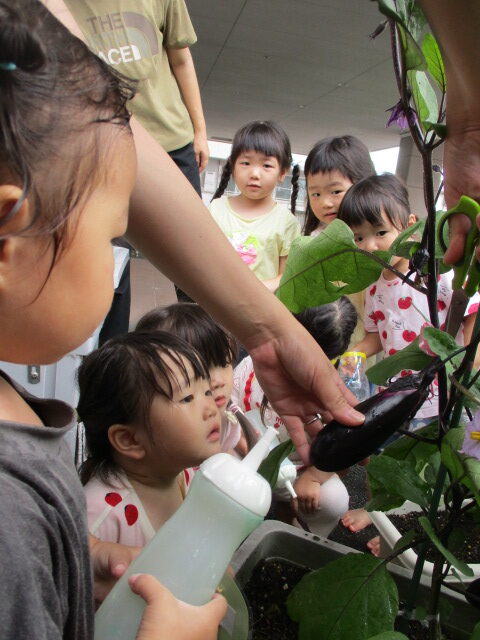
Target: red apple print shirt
(116,514)
(397,312)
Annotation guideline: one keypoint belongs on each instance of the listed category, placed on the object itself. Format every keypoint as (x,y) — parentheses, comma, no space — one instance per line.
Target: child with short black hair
(377,210)
(148,412)
(332,166)
(217,348)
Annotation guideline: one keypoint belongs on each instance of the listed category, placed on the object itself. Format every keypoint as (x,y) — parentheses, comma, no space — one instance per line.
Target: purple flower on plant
(471,443)
(398,116)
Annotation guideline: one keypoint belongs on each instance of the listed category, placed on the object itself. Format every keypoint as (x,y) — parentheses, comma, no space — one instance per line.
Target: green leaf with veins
(411,357)
(458,564)
(322,268)
(336,602)
(398,477)
(270,466)
(424,97)
(432,54)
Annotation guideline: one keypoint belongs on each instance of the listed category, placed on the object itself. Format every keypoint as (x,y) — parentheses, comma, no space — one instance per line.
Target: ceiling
(310,65)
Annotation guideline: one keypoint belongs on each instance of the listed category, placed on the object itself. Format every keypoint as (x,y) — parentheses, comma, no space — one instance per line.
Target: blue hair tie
(8,66)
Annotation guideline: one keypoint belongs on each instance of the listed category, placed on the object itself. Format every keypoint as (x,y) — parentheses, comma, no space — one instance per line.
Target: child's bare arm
(307,488)
(273,284)
(370,345)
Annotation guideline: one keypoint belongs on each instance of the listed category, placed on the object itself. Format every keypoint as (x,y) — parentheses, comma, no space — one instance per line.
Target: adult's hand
(109,561)
(202,152)
(462,177)
(300,381)
(165,617)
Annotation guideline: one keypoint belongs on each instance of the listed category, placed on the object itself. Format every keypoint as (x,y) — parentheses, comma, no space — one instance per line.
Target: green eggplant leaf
(409,22)
(414,58)
(383,501)
(462,468)
(322,268)
(476,632)
(398,477)
(440,129)
(424,97)
(389,635)
(432,54)
(440,342)
(406,234)
(336,601)
(449,557)
(270,466)
(416,452)
(411,357)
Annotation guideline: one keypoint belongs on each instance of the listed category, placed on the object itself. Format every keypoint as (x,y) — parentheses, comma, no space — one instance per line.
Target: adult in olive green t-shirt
(148,40)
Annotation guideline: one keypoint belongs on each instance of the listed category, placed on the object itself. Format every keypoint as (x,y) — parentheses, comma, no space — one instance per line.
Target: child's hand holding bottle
(165,617)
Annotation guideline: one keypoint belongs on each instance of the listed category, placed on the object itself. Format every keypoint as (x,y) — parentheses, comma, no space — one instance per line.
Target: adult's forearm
(183,69)
(175,231)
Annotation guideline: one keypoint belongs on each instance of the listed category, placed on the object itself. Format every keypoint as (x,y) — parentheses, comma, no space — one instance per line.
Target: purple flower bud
(398,116)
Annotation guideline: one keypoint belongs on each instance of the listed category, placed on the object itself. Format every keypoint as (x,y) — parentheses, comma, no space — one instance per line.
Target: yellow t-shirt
(132,36)
(260,242)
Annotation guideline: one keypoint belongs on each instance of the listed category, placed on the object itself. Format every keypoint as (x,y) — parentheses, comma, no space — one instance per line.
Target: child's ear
(281,177)
(412,219)
(124,439)
(11,221)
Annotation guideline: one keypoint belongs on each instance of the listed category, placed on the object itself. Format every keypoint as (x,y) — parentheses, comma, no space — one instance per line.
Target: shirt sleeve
(292,231)
(33,571)
(240,375)
(177,29)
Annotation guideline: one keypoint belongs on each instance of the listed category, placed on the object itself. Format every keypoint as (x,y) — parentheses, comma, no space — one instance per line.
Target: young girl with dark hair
(260,229)
(148,412)
(377,210)
(331,167)
(217,348)
(322,497)
(67,170)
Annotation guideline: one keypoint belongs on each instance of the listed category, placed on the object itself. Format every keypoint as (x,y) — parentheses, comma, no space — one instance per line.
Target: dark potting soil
(267,591)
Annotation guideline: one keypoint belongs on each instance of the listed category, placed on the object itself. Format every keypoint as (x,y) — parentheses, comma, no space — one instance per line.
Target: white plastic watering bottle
(227,500)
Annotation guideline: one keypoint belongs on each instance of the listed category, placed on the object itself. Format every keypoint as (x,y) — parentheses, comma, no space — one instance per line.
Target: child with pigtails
(260,229)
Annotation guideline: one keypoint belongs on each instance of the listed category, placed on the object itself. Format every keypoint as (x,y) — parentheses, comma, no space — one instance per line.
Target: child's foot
(374,546)
(356,519)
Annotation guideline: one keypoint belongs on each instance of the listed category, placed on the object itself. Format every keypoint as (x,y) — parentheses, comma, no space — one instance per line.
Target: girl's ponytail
(293,197)
(226,173)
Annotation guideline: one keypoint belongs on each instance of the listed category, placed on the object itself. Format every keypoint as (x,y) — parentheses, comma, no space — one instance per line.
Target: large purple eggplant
(337,446)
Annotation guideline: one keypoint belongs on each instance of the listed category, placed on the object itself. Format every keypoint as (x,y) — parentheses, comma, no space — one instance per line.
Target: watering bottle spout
(254,457)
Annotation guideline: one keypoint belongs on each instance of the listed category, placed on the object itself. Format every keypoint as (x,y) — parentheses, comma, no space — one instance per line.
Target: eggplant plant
(437,465)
